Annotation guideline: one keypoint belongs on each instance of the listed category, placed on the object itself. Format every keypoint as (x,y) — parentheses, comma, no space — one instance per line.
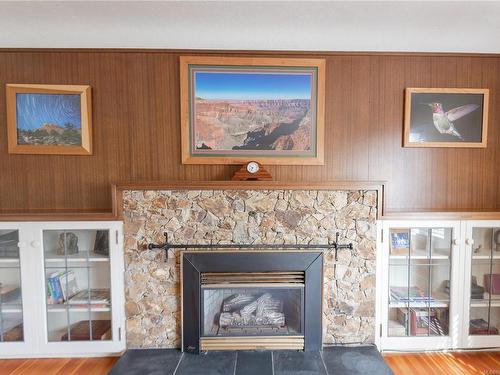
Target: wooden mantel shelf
(117,190)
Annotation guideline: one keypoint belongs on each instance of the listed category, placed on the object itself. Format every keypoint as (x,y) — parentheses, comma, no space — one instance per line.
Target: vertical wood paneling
(137,133)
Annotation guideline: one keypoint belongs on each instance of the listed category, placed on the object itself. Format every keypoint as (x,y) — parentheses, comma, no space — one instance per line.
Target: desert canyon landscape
(278,124)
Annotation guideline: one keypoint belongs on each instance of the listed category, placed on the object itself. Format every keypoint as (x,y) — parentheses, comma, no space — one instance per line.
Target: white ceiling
(334,26)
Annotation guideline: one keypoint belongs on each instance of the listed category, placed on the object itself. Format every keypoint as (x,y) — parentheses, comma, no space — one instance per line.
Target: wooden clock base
(243,175)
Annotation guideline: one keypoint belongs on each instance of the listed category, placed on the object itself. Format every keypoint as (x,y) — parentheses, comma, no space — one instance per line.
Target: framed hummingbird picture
(445,117)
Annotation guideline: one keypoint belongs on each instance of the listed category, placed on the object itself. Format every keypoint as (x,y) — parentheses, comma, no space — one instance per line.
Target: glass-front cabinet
(482,308)
(419,304)
(66,280)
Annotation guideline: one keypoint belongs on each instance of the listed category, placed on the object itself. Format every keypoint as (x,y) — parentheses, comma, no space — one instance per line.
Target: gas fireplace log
(236,302)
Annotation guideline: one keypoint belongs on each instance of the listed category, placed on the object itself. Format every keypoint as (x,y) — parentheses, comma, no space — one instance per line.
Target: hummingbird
(443,121)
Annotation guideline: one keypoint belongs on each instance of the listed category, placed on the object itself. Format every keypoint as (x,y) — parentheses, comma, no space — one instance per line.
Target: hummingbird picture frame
(446,117)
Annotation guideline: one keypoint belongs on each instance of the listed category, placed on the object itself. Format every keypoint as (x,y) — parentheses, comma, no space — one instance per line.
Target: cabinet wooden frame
(85,118)
(459,144)
(259,63)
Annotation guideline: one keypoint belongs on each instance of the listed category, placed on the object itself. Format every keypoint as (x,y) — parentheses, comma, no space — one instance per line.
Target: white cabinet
(61,291)
(440,285)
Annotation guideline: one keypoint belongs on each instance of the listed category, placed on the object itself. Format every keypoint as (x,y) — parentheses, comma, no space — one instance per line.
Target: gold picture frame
(210,134)
(446,117)
(49,119)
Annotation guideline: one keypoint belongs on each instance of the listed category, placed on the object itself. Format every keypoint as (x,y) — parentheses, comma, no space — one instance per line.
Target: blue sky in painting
(34,110)
(241,86)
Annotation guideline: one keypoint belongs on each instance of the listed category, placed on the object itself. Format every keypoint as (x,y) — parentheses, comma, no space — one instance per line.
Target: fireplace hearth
(251,300)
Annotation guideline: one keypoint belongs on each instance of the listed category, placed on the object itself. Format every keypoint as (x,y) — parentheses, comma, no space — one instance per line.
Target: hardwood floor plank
(474,363)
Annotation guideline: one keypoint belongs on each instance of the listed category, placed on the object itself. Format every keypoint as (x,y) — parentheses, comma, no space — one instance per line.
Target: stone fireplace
(275,216)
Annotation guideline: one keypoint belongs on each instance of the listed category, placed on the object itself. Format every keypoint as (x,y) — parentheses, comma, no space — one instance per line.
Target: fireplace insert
(251,300)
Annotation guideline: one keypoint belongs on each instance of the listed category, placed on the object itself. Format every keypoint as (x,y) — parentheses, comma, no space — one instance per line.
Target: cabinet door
(482,285)
(16,335)
(83,288)
(420,282)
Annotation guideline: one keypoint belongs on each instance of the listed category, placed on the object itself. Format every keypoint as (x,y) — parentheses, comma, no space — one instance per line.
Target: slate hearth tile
(298,363)
(147,361)
(355,360)
(254,363)
(211,363)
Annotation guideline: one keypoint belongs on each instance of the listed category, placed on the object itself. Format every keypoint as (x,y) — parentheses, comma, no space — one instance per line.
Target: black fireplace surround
(197,263)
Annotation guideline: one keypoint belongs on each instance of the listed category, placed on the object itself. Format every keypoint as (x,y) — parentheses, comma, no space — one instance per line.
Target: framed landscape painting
(49,119)
(270,110)
(442,117)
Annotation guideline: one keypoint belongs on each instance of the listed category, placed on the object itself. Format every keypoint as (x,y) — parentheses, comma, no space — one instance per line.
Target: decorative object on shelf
(14,333)
(252,171)
(492,283)
(101,243)
(8,244)
(67,244)
(101,330)
(400,241)
(497,240)
(270,109)
(443,117)
(49,119)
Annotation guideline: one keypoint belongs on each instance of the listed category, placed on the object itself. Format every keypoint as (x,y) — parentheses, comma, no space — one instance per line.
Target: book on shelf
(101,330)
(61,286)
(94,296)
(400,242)
(409,294)
(481,327)
(423,322)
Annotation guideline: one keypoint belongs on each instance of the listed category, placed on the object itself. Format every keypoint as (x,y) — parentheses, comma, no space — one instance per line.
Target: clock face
(253,167)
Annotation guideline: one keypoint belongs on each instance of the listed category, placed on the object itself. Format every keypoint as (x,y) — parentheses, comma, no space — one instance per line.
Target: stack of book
(411,294)
(481,327)
(94,297)
(61,286)
(422,322)
(9,293)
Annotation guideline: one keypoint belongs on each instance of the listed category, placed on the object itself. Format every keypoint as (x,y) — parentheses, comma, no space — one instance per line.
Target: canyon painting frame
(49,119)
(236,109)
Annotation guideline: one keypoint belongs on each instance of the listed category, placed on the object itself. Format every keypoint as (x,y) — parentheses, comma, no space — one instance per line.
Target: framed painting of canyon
(234,109)
(443,117)
(49,119)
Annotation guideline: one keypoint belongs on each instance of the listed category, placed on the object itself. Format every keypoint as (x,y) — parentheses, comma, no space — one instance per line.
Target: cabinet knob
(454,242)
(21,244)
(35,244)
(469,242)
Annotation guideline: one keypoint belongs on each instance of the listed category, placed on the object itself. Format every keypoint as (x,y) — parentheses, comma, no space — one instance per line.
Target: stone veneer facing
(152,289)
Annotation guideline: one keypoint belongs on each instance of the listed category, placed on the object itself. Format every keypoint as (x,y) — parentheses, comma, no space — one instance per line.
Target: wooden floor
(59,366)
(479,363)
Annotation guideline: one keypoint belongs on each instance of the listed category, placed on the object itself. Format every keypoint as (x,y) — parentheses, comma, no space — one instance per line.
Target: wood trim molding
(251,52)
(117,200)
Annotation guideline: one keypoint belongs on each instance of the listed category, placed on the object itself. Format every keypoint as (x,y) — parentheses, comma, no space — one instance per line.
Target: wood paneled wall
(137,133)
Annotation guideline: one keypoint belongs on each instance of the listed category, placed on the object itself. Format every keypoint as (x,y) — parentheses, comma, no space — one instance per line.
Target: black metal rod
(330,247)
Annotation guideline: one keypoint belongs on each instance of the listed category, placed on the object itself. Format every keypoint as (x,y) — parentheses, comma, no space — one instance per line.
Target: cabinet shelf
(9,260)
(81,256)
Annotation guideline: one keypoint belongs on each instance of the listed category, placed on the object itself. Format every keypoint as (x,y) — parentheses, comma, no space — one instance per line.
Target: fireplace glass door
(238,305)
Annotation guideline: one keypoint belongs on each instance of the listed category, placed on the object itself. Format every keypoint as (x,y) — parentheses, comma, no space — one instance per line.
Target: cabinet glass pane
(11,306)
(485,282)
(78,282)
(419,281)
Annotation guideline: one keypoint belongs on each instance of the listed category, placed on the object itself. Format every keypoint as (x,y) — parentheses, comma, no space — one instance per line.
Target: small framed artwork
(400,241)
(49,119)
(436,117)
(270,110)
